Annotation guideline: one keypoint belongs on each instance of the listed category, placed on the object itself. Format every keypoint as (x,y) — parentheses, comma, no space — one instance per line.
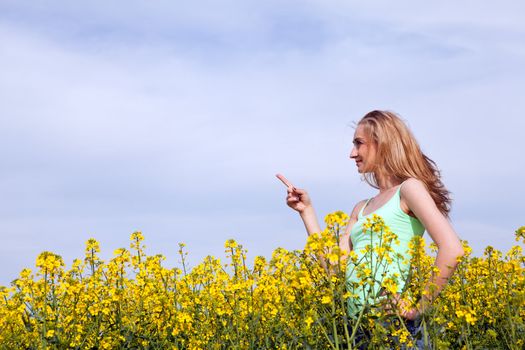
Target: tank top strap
(363,207)
(398,191)
(393,204)
(398,194)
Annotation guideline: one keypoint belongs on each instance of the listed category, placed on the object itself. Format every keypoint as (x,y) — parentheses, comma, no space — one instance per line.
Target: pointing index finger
(285,181)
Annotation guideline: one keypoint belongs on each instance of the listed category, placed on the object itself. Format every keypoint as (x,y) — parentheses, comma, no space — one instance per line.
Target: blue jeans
(414,327)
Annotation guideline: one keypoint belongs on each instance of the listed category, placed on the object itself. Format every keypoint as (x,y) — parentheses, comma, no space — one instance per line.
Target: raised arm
(419,201)
(299,200)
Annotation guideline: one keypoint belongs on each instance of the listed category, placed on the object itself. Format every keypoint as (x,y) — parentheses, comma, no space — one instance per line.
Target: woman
(411,199)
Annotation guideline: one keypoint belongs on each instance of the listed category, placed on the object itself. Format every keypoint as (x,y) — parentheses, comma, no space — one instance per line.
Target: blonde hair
(399,155)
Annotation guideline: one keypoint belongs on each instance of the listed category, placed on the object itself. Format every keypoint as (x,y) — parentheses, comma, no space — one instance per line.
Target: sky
(172,118)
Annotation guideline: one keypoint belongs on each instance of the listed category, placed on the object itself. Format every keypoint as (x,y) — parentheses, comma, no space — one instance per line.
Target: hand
(395,304)
(405,311)
(298,199)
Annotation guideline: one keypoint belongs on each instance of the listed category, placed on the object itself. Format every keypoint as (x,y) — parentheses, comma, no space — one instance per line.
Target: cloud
(173,118)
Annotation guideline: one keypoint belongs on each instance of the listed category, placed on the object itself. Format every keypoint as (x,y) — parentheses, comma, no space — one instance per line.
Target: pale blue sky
(172,118)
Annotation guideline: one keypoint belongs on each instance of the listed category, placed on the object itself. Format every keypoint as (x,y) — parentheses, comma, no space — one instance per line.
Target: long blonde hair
(399,155)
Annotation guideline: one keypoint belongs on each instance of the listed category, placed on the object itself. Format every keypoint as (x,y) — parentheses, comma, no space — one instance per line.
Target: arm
(419,201)
(299,200)
(345,243)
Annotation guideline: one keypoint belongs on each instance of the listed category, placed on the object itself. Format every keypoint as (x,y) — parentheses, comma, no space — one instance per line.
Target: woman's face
(364,150)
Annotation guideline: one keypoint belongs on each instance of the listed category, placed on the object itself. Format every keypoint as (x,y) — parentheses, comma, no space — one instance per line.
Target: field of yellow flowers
(294,300)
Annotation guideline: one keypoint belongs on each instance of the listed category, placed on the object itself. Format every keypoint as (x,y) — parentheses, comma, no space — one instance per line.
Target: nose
(353,153)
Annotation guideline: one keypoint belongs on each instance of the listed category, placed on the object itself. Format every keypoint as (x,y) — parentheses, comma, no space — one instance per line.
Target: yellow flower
(230,244)
(520,234)
(326,299)
(276,302)
(92,245)
(390,285)
(309,321)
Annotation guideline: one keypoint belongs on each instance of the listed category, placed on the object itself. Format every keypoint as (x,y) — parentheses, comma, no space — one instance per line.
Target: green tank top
(400,223)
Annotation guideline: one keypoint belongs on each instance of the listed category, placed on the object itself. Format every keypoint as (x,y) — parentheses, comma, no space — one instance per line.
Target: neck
(387,183)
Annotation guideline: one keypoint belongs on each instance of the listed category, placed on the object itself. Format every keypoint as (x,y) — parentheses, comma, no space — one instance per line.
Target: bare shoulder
(357,208)
(354,215)
(414,189)
(412,184)
(416,198)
